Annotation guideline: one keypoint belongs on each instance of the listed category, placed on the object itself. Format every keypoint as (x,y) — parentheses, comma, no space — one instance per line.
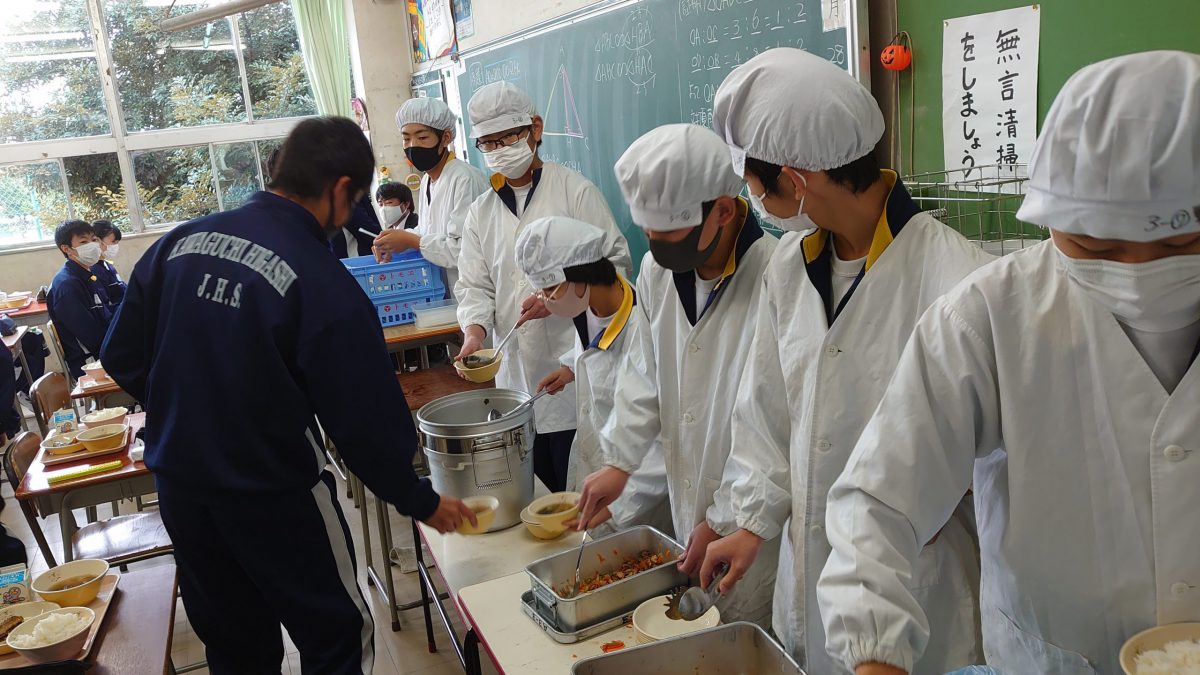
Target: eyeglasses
(505,141)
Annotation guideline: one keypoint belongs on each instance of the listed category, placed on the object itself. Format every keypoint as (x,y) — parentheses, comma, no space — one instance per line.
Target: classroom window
(182,127)
(49,77)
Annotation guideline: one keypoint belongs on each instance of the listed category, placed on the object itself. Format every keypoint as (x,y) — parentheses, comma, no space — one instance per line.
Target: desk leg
(424,591)
(432,590)
(473,666)
(357,488)
(385,545)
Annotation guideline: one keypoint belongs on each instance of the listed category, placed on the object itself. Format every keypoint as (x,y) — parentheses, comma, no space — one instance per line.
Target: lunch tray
(108,589)
(54,460)
(552,629)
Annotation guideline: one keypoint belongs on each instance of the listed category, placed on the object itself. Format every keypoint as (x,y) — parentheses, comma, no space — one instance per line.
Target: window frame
(124,144)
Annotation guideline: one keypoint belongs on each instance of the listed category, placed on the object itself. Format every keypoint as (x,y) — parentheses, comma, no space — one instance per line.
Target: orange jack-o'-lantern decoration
(897,55)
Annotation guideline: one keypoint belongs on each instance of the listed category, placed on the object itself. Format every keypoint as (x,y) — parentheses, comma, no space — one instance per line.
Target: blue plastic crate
(406,273)
(398,309)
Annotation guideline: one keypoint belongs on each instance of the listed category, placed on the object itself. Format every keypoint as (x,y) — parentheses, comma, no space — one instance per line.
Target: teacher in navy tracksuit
(226,334)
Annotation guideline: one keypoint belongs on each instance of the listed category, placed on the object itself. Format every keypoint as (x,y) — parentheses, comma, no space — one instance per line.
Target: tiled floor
(396,653)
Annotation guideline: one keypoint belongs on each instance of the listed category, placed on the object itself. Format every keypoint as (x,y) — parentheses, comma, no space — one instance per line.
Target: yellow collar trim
(498,181)
(815,243)
(620,319)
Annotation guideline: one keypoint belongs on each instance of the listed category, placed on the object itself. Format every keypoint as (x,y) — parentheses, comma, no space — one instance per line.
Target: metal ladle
(574,590)
(496,414)
(695,601)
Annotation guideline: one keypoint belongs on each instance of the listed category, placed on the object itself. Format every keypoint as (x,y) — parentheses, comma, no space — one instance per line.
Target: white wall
(379,47)
(30,269)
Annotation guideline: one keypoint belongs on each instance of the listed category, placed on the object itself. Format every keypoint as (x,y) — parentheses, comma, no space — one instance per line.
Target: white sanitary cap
(669,173)
(792,108)
(431,112)
(499,106)
(1119,153)
(549,245)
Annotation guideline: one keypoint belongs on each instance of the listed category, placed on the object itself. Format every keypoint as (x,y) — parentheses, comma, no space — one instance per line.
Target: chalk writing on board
(487,73)
(561,116)
(628,53)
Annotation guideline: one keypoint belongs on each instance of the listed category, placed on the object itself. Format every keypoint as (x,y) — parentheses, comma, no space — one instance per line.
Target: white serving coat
(1087,510)
(442,207)
(680,389)
(491,288)
(807,393)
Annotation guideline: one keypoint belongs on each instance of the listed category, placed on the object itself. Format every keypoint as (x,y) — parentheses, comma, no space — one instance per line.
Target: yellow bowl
(63,444)
(64,649)
(96,370)
(482,374)
(77,595)
(554,518)
(538,531)
(25,610)
(106,416)
(650,622)
(485,512)
(104,437)
(1155,638)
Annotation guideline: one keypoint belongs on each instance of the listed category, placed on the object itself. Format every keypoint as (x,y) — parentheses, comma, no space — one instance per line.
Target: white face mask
(511,161)
(797,223)
(89,253)
(110,253)
(1157,296)
(393,214)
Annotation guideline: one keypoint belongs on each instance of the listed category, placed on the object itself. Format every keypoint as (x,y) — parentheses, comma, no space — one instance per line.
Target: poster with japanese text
(989,90)
(439,28)
(464,19)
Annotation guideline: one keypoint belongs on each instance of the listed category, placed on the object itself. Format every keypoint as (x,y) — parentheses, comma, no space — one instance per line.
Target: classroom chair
(49,393)
(120,540)
(56,347)
(17,457)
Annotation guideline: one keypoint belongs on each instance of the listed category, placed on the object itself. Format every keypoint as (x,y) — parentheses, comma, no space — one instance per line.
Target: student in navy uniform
(396,204)
(351,241)
(78,302)
(106,273)
(226,335)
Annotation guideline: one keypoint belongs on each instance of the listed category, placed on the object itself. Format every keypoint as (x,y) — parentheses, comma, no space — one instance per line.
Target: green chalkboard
(604,79)
(1074,33)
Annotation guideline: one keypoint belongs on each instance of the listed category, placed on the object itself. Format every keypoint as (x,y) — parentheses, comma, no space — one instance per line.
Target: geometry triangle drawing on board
(569,125)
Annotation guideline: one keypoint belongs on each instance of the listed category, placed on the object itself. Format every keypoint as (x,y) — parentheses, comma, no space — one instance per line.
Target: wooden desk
(34,315)
(13,342)
(132,480)
(135,638)
(400,338)
(428,384)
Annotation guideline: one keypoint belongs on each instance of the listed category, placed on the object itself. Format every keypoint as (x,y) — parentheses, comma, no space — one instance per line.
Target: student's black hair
(394,191)
(103,228)
(856,176)
(63,234)
(599,273)
(319,151)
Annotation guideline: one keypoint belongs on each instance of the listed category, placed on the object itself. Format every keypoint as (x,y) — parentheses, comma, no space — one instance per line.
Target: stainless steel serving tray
(551,628)
(547,575)
(739,648)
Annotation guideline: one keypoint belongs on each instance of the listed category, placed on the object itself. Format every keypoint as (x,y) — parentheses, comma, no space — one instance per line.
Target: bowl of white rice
(1163,650)
(54,636)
